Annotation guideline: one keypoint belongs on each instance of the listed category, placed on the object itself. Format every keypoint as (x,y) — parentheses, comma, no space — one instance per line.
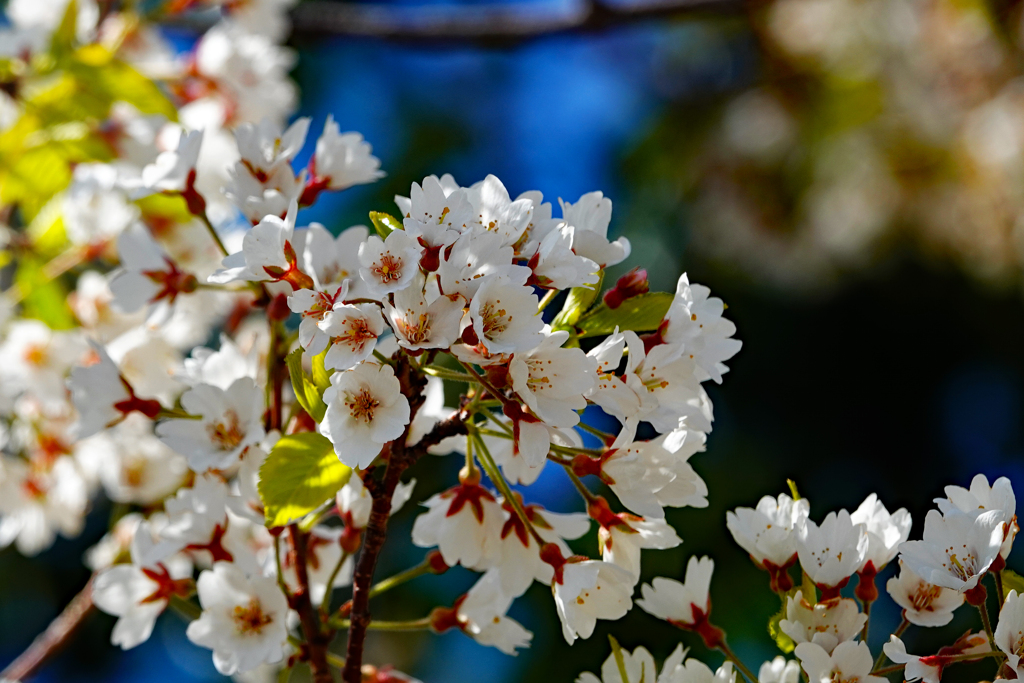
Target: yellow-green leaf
(641,314)
(384,223)
(1012,581)
(321,375)
(578,302)
(306,391)
(45,299)
(300,474)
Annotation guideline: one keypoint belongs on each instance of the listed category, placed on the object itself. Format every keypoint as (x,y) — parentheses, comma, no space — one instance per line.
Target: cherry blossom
(365,410)
(923,603)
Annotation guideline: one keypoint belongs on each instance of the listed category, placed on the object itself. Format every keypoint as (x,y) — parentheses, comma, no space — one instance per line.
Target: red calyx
(866,590)
(469,336)
(292,275)
(147,406)
(654,338)
(166,586)
(601,512)
(436,562)
(998,565)
(780,578)
(351,537)
(583,464)
(976,596)
(431,259)
(172,282)
(832,592)
(712,635)
(551,554)
(314,186)
(634,283)
(474,495)
(446,618)
(497,375)
(944,657)
(215,547)
(195,201)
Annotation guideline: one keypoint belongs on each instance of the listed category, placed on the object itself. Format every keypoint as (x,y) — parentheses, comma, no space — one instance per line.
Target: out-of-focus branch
(498,24)
(53,639)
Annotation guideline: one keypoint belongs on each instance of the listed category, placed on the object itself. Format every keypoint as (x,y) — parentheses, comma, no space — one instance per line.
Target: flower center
(415,328)
(963,567)
(321,306)
(362,405)
(227,433)
(496,320)
(388,269)
(250,619)
(357,334)
(35,354)
(925,595)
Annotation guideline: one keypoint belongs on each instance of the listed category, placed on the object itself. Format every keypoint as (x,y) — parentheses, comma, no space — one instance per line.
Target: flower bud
(634,283)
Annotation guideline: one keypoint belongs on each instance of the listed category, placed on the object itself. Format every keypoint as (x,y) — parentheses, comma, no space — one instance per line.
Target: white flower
(135,466)
(957,548)
(497,213)
(695,320)
(244,619)
(622,536)
(638,664)
(267,255)
(437,211)
(351,331)
(591,216)
(682,604)
(647,475)
(230,420)
(332,260)
(139,592)
(833,552)
(768,532)
(476,254)
(552,380)
(258,196)
(343,159)
(94,208)
(222,367)
(1009,636)
(365,410)
(102,397)
(38,502)
(355,503)
(675,670)
(419,324)
(850,662)
(826,623)
(389,265)
(264,148)
(557,266)
(589,590)
(520,561)
(983,497)
(923,603)
(35,358)
(246,501)
(779,670)
(885,531)
(147,362)
(197,517)
(465,523)
(482,616)
(929,669)
(504,316)
(172,171)
(147,276)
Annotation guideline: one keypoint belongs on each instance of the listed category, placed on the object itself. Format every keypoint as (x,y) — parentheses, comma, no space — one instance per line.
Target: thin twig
(53,639)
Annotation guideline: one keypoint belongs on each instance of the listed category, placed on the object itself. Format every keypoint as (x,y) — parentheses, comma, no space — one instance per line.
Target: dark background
(898,375)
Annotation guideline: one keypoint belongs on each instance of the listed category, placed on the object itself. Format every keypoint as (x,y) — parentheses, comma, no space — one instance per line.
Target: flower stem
(400,578)
(186,609)
(898,632)
(987,623)
(580,486)
(213,233)
(492,471)
(325,605)
(445,373)
(548,298)
(408,625)
(731,656)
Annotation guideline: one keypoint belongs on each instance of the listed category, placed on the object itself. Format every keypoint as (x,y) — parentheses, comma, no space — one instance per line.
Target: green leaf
(385,223)
(784,642)
(299,475)
(321,375)
(306,391)
(99,72)
(64,37)
(641,314)
(45,299)
(1012,581)
(580,299)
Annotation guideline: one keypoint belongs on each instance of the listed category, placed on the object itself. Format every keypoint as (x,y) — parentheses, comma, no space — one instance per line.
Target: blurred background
(847,174)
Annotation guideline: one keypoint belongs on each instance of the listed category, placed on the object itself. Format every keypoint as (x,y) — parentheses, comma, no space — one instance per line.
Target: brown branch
(399,459)
(53,639)
(318,636)
(494,25)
